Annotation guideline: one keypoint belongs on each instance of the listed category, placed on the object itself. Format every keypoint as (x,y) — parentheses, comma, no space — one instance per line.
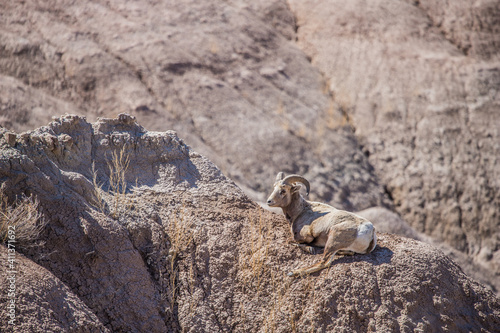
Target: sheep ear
(295,188)
(280,176)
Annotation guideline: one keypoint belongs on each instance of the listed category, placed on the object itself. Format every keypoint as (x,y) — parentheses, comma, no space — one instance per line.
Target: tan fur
(317,225)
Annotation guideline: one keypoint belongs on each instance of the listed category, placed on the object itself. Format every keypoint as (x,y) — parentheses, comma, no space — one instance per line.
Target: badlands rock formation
(144,234)
(226,76)
(380,103)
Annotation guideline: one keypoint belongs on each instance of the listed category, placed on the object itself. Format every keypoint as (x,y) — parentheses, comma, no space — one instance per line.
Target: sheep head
(284,188)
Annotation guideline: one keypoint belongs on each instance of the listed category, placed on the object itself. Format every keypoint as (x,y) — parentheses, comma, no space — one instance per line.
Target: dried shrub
(22,218)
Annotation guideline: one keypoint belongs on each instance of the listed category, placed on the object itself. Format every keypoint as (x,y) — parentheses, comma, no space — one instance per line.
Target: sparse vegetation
(253,259)
(23,217)
(279,287)
(180,236)
(111,201)
(262,279)
(99,202)
(257,271)
(118,166)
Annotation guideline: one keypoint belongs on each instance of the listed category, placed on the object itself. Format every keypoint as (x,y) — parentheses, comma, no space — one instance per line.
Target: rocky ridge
(179,247)
(389,104)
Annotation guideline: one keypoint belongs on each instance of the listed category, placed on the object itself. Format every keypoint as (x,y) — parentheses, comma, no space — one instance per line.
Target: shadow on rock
(380,255)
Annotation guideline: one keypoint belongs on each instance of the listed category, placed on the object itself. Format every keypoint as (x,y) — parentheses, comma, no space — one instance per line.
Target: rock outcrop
(420,83)
(144,234)
(43,303)
(391,103)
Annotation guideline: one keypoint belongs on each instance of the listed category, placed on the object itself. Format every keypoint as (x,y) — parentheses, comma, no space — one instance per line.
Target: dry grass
(22,219)
(253,263)
(112,201)
(253,260)
(263,279)
(277,303)
(99,201)
(180,236)
(118,166)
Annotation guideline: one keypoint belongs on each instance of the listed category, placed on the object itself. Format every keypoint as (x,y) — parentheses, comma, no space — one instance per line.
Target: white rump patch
(365,236)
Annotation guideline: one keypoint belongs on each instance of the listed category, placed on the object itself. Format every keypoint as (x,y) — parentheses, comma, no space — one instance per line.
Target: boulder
(387,221)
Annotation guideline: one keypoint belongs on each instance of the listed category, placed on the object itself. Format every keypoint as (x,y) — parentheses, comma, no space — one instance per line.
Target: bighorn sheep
(316,225)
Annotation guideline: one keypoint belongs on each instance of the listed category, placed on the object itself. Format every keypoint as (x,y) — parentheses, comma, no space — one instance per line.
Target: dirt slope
(177,246)
(43,303)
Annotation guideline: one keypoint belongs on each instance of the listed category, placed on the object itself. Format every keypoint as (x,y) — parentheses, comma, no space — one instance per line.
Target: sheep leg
(309,248)
(339,237)
(345,252)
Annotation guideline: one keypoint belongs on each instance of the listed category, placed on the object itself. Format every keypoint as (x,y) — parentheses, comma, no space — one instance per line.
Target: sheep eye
(282,192)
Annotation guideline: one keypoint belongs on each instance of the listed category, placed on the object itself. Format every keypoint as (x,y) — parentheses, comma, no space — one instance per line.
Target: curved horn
(280,176)
(289,180)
